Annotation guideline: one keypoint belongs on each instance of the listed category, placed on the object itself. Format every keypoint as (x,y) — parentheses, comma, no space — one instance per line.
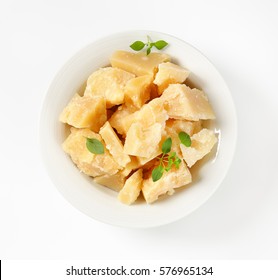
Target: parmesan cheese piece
(182,102)
(144,160)
(171,180)
(201,144)
(149,114)
(114,144)
(174,127)
(89,163)
(108,82)
(85,112)
(169,73)
(154,112)
(122,119)
(132,188)
(132,165)
(137,91)
(114,182)
(142,141)
(190,127)
(138,63)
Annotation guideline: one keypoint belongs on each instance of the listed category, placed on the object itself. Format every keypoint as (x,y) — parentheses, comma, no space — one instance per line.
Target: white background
(238,222)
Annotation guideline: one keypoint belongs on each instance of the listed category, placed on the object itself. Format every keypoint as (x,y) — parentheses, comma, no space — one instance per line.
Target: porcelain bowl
(101,203)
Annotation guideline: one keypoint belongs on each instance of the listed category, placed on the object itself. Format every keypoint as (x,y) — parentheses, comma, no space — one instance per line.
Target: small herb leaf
(185,139)
(177,162)
(166,146)
(169,165)
(137,45)
(157,173)
(160,44)
(172,155)
(94,146)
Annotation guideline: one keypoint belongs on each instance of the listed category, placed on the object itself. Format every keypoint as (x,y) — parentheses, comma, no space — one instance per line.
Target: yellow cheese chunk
(137,91)
(142,141)
(140,162)
(114,182)
(132,165)
(89,163)
(169,73)
(201,144)
(174,127)
(132,188)
(182,102)
(108,82)
(170,180)
(149,114)
(85,112)
(121,119)
(138,63)
(114,144)
(154,112)
(145,160)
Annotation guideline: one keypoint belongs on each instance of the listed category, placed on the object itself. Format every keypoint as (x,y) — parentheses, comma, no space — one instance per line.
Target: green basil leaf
(166,146)
(149,50)
(137,45)
(160,44)
(157,173)
(185,139)
(94,146)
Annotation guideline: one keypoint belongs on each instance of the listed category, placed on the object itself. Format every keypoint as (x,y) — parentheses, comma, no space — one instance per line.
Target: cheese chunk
(85,112)
(138,63)
(132,188)
(137,91)
(132,165)
(169,73)
(142,141)
(108,82)
(170,180)
(182,102)
(114,144)
(176,126)
(114,182)
(154,112)
(144,160)
(140,162)
(149,114)
(201,144)
(89,163)
(121,119)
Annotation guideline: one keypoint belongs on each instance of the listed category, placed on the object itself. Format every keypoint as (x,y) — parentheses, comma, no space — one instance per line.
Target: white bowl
(101,203)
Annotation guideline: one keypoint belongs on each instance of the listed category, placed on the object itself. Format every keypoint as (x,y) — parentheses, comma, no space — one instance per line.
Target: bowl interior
(101,203)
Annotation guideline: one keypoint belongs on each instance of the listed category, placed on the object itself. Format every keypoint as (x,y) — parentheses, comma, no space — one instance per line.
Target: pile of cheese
(132,107)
